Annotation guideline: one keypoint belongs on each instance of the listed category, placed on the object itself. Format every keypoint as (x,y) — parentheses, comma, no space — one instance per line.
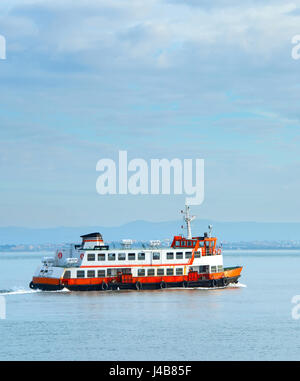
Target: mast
(188,219)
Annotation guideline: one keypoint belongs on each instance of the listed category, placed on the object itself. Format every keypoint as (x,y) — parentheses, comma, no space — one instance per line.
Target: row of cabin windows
(186,243)
(216,269)
(213,269)
(141,272)
(141,256)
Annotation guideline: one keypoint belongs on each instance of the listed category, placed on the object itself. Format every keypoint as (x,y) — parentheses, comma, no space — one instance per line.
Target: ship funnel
(89,241)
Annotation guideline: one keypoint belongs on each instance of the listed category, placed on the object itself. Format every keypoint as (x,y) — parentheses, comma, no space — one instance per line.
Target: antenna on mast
(210,227)
(188,219)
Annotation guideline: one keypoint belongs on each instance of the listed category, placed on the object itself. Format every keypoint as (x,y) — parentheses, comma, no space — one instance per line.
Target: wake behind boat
(93,266)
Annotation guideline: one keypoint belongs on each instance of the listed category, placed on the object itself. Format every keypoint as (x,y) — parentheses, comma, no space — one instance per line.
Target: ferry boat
(94,266)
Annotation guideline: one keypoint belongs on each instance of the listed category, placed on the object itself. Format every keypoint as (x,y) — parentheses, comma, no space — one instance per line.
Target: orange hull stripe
(150,279)
(45,280)
(233,272)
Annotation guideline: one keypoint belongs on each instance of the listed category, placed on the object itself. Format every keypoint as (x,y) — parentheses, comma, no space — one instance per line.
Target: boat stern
(47,278)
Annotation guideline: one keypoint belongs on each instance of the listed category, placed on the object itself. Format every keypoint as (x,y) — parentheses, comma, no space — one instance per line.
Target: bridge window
(141,272)
(141,256)
(160,272)
(131,256)
(80,273)
(179,271)
(111,256)
(170,271)
(179,255)
(101,257)
(170,255)
(101,273)
(150,272)
(121,256)
(156,256)
(91,273)
(91,257)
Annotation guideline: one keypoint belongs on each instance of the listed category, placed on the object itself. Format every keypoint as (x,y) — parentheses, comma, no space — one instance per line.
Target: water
(251,321)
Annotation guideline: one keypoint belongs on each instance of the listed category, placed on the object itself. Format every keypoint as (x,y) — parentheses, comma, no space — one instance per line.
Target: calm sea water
(250,322)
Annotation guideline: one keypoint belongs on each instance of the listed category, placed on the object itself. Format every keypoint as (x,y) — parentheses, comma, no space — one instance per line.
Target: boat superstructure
(191,261)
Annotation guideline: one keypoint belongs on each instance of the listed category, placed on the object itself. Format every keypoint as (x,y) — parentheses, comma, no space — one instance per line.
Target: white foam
(18,292)
(22,291)
(230,285)
(237,285)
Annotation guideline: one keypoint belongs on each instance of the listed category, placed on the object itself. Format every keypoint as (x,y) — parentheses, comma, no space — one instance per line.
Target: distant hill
(143,230)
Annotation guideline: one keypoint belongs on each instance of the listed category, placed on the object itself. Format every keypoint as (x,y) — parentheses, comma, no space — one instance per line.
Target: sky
(160,79)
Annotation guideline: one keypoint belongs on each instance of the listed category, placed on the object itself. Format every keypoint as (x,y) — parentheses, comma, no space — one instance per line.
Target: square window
(170,255)
(91,273)
(80,273)
(131,256)
(141,256)
(170,271)
(179,271)
(179,255)
(160,272)
(156,256)
(121,256)
(91,257)
(150,272)
(203,269)
(101,257)
(101,273)
(111,256)
(141,272)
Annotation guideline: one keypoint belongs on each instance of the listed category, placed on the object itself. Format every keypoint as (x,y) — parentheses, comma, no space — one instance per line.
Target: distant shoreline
(231,246)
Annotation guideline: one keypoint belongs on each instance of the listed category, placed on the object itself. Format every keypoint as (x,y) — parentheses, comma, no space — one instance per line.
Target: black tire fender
(138,285)
(104,286)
